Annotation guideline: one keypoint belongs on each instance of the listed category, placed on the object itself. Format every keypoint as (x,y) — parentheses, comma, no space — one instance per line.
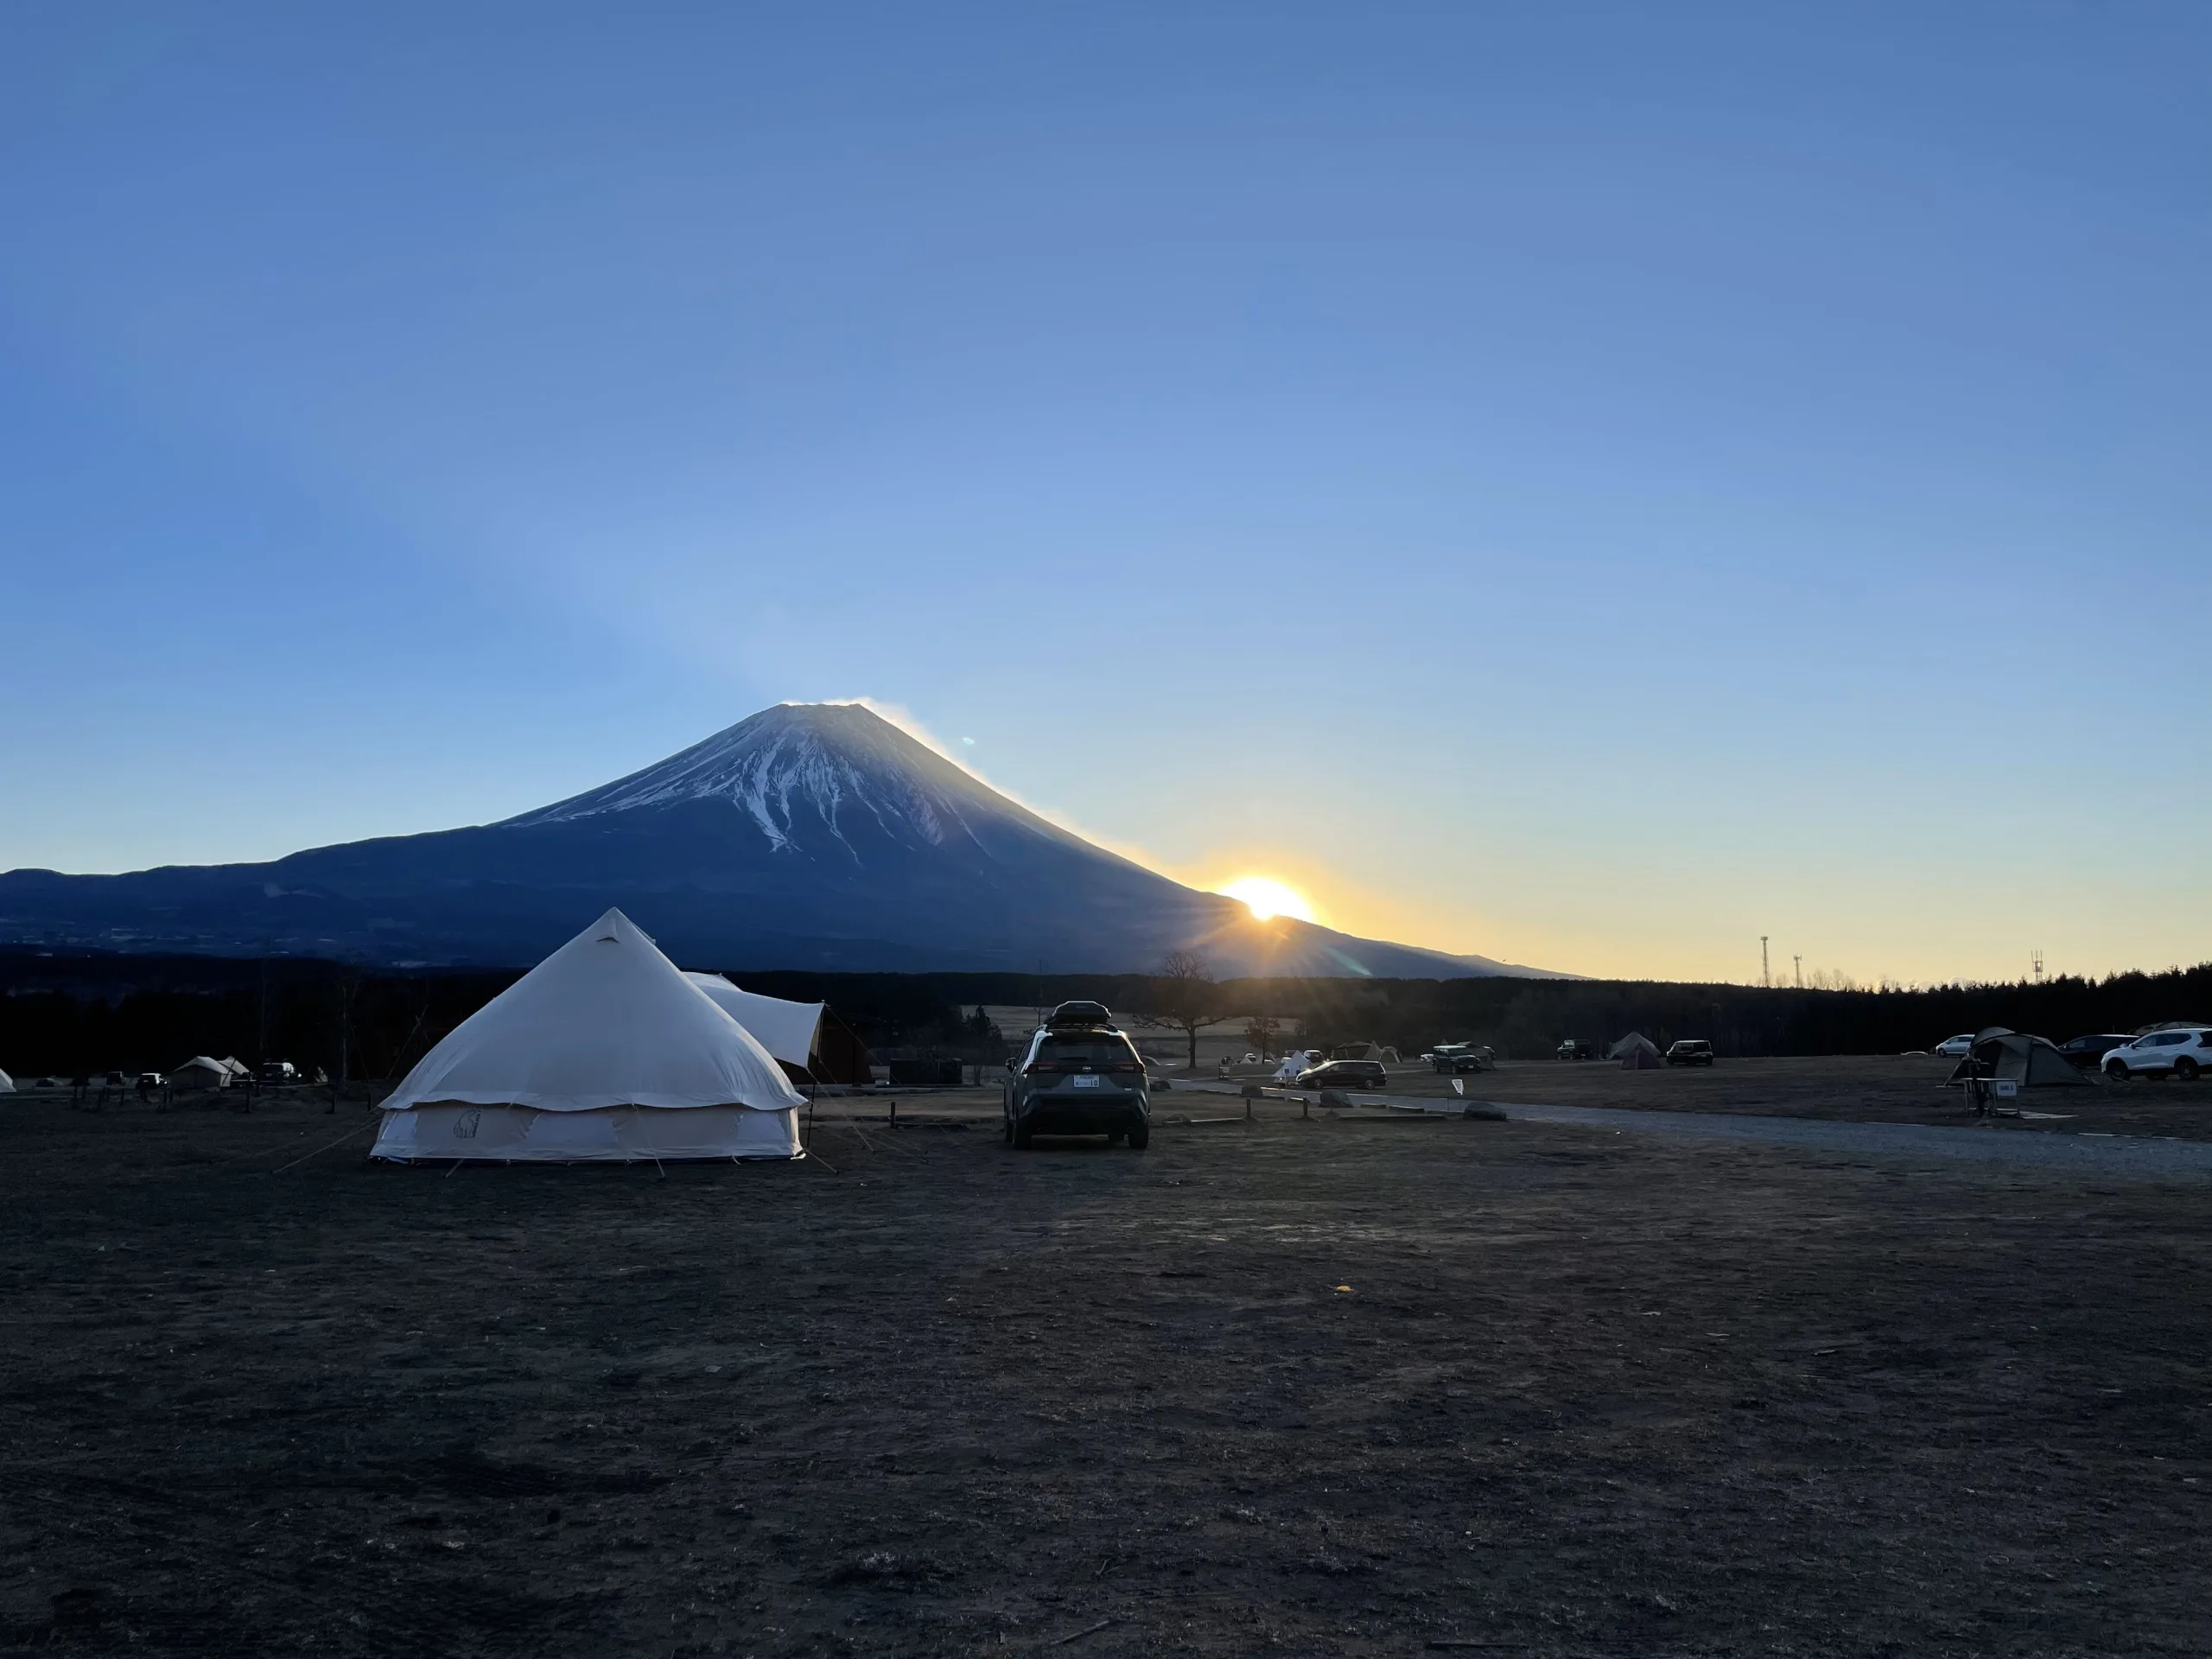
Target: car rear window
(1099,1050)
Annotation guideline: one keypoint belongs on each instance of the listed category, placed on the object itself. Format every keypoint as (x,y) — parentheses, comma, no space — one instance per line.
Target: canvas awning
(786,1029)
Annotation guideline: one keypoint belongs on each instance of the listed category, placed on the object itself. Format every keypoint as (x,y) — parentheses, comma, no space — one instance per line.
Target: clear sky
(1588,484)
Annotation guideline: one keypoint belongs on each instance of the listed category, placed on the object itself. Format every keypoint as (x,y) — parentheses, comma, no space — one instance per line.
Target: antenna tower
(1766,980)
(2038,961)
(1799,966)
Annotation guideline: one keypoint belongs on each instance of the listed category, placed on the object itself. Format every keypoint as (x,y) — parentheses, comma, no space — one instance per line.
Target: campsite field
(1313,1387)
(1858,1088)
(1866,1089)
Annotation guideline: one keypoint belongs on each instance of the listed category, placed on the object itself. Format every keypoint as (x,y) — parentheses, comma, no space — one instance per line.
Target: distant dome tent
(2003,1056)
(603,1053)
(1637,1052)
(7,1084)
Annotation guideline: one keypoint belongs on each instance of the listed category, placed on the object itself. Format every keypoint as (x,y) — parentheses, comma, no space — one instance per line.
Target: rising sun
(1268,898)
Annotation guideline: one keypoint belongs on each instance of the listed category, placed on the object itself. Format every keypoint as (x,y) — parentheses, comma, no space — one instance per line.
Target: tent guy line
(357,1129)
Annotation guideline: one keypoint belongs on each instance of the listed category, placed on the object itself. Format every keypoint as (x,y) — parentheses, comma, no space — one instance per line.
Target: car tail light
(1128,1065)
(1040,1068)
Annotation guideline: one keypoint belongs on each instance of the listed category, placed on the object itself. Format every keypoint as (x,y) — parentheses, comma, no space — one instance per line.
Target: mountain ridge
(807,835)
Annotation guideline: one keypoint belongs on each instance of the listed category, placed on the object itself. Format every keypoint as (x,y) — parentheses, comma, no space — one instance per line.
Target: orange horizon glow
(1266,898)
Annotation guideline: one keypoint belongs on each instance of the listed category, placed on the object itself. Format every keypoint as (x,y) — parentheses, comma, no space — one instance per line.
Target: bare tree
(1183,995)
(1260,1032)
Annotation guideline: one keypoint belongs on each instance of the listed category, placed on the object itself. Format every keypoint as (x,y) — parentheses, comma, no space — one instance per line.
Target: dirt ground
(1324,1387)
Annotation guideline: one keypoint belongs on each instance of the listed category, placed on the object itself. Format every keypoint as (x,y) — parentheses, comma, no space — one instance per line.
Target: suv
(1079,1077)
(1691,1051)
(1955,1048)
(2185,1053)
(1451,1058)
(1575,1049)
(1343,1074)
(2089,1053)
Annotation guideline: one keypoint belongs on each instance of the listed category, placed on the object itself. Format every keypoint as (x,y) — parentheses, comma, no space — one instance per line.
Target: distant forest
(64,1014)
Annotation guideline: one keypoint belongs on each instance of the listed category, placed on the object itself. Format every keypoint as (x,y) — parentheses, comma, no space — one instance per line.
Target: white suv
(1955,1048)
(2185,1054)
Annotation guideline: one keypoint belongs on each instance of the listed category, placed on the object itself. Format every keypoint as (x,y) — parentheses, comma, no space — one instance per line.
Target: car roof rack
(1079,1016)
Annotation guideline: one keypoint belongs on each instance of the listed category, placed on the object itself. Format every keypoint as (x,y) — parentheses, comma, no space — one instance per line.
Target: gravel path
(2129,1157)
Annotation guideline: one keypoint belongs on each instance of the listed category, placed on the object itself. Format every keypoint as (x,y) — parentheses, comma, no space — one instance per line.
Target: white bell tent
(785,1029)
(7,1084)
(604,1051)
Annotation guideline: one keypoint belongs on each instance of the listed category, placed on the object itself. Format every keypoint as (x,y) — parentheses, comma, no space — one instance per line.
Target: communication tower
(1766,980)
(2036,961)
(1798,967)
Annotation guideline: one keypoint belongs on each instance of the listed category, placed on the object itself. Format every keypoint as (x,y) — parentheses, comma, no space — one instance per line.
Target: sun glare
(1268,898)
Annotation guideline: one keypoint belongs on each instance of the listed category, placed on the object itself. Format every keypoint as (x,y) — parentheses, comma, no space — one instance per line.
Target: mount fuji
(812,836)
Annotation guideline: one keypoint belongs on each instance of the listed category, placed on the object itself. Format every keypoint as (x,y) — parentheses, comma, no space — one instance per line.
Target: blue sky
(1587,484)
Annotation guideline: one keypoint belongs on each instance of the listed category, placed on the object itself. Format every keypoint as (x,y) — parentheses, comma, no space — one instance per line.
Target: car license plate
(1089,1080)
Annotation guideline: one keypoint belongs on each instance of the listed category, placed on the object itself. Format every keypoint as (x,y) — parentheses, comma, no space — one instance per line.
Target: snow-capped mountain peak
(808,775)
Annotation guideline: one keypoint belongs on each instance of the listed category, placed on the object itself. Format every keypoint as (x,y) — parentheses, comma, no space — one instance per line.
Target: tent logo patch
(464,1126)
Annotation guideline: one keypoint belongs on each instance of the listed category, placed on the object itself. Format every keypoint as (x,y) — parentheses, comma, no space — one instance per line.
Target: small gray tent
(1999,1055)
(1637,1052)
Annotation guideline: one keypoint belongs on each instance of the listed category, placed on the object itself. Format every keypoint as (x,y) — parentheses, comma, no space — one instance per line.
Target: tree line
(1528,1019)
(63,1014)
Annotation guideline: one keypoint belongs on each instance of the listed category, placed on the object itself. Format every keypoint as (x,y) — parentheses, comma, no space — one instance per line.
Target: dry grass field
(1323,1387)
